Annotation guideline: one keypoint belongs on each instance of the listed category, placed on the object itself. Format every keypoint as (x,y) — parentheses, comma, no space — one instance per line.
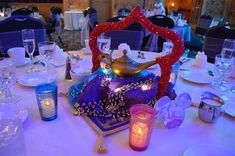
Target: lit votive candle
(48,107)
(141,124)
(47,101)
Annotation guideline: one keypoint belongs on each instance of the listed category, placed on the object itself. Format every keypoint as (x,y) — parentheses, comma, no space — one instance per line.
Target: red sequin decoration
(136,15)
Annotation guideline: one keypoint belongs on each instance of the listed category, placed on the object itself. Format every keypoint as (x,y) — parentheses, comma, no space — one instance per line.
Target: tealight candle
(141,123)
(48,107)
(47,101)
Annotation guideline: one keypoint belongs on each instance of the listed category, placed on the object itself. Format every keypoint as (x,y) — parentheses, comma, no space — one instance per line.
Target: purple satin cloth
(114,97)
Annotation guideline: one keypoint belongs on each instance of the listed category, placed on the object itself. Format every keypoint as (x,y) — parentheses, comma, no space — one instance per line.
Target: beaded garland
(136,15)
(114,105)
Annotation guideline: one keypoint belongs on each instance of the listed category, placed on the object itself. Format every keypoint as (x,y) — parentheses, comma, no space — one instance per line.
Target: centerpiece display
(104,98)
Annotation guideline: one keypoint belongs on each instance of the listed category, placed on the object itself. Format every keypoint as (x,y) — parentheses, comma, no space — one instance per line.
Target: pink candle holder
(142,117)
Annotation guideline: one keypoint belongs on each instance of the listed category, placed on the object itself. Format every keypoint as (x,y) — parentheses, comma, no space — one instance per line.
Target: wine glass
(47,51)
(222,70)
(7,79)
(29,45)
(228,50)
(104,43)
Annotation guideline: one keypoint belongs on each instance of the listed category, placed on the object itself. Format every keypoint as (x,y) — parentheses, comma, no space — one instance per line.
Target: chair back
(162,21)
(123,12)
(19,22)
(132,27)
(132,38)
(93,19)
(11,35)
(21,11)
(55,20)
(153,42)
(14,39)
(214,40)
(222,31)
(203,24)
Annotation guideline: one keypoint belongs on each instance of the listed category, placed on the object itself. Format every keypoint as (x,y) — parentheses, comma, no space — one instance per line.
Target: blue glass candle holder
(47,96)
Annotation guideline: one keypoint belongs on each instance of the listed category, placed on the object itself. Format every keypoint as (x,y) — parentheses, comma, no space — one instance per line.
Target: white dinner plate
(85,51)
(58,63)
(207,150)
(201,77)
(229,108)
(34,79)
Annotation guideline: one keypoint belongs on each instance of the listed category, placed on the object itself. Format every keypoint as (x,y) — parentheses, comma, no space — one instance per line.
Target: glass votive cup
(11,136)
(142,118)
(47,101)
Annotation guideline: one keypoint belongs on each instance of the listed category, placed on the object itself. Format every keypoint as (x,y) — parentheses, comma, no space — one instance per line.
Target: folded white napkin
(124,46)
(59,54)
(59,58)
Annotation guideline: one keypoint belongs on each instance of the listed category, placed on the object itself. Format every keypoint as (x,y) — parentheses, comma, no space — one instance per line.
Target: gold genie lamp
(124,66)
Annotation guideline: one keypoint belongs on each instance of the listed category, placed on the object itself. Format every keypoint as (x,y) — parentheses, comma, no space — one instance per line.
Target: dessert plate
(34,79)
(207,150)
(229,108)
(22,63)
(201,77)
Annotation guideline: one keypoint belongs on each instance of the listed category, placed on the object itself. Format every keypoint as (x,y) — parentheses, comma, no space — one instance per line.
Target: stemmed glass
(29,45)
(104,43)
(7,79)
(222,70)
(47,51)
(228,50)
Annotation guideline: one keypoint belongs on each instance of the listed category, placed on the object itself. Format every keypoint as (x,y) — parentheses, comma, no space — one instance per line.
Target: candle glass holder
(47,101)
(142,118)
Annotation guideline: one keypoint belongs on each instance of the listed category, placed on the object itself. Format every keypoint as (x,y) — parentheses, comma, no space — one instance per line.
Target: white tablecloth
(72,136)
(71,20)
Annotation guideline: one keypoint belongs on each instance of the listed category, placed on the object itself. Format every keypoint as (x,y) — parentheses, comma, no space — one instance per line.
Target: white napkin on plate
(59,58)
(59,54)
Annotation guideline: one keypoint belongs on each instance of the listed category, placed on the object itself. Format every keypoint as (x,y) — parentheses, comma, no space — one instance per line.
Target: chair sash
(14,39)
(85,29)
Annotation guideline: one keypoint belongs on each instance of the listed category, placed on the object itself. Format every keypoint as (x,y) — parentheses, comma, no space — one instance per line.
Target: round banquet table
(71,20)
(71,135)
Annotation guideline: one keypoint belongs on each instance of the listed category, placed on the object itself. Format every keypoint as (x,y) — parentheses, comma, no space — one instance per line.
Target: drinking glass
(47,97)
(228,48)
(167,47)
(222,70)
(104,43)
(47,51)
(7,79)
(11,136)
(29,45)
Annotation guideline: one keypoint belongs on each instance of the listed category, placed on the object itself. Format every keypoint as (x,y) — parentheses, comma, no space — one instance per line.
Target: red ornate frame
(136,15)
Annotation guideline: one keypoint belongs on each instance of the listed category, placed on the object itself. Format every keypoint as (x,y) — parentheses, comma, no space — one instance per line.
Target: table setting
(115,102)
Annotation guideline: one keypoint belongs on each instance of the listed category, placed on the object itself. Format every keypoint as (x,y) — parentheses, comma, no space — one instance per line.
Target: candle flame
(139,131)
(173,4)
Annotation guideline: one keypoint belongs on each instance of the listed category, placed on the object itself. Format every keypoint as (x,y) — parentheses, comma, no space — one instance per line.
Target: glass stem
(6,93)
(31,59)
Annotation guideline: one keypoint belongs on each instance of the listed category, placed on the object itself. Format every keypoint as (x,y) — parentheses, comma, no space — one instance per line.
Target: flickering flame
(173,4)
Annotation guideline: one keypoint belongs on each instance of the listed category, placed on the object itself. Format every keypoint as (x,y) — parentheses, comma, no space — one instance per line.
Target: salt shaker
(68,68)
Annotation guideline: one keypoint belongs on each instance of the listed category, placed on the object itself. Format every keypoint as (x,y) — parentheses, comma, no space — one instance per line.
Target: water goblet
(104,43)
(47,51)
(228,48)
(7,79)
(29,45)
(222,70)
